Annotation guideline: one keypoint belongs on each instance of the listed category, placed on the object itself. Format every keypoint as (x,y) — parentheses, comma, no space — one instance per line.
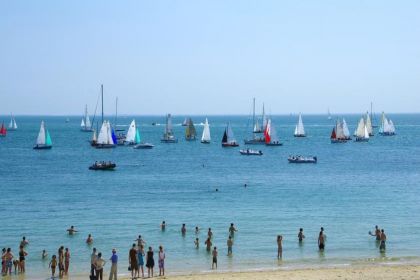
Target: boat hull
(169,140)
(86,129)
(42,147)
(387,133)
(255,142)
(274,144)
(205,142)
(359,139)
(107,167)
(143,146)
(104,146)
(303,160)
(335,141)
(228,145)
(299,135)
(251,153)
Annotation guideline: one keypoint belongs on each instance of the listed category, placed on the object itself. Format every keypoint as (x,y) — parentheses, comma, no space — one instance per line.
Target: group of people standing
(380,237)
(8,260)
(137,258)
(63,262)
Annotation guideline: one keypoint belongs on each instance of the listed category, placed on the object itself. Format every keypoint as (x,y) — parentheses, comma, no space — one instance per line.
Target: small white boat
(270,135)
(249,152)
(299,129)
(302,159)
(12,124)
(85,125)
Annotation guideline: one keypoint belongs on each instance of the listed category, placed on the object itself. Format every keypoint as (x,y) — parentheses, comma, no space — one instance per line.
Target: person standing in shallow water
(22,255)
(183,229)
(114,265)
(214,263)
(132,258)
(61,262)
(150,262)
(382,246)
(66,261)
(93,257)
(279,246)
(232,230)
(163,226)
(140,258)
(301,236)
(229,245)
(89,239)
(208,244)
(99,267)
(161,261)
(321,241)
(53,265)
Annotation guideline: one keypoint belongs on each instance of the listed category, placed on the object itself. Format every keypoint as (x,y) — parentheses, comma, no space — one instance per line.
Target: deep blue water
(353,187)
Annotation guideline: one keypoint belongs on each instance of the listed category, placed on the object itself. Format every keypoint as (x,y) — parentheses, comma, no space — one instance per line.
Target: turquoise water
(353,187)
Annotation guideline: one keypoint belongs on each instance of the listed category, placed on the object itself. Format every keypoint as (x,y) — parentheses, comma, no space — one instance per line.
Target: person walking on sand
(132,259)
(53,265)
(99,267)
(183,229)
(232,230)
(93,257)
(150,262)
(161,261)
(208,244)
(229,245)
(114,265)
(301,236)
(89,239)
(382,246)
(214,263)
(279,247)
(71,230)
(140,258)
(22,255)
(321,241)
(66,261)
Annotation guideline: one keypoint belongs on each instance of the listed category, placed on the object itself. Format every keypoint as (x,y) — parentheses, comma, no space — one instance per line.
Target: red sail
(333,135)
(3,130)
(267,133)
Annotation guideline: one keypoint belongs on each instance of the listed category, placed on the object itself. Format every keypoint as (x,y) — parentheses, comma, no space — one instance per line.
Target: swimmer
(72,230)
(89,239)
(163,226)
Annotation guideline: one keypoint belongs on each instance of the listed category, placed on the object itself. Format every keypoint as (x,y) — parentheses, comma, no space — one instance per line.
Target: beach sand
(380,272)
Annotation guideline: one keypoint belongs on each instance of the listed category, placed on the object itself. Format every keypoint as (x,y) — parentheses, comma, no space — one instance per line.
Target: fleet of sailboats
(168,135)
(387,127)
(12,124)
(190,132)
(205,138)
(299,129)
(228,139)
(43,141)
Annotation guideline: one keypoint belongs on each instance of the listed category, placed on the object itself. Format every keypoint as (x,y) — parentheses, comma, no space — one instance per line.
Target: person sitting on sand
(232,230)
(89,239)
(321,241)
(214,263)
(208,244)
(71,230)
(197,243)
(279,246)
(229,244)
(183,229)
(301,236)
(24,242)
(383,240)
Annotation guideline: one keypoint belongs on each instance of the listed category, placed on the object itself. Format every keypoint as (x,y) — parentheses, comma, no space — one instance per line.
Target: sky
(209,57)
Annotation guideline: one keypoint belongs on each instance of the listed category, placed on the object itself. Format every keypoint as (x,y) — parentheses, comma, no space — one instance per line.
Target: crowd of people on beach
(138,258)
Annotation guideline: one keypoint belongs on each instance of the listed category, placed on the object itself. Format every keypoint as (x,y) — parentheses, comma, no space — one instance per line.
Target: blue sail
(114,138)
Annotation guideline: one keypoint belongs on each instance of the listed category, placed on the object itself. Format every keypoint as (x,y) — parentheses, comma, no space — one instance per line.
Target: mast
(116,112)
(102,99)
(253,115)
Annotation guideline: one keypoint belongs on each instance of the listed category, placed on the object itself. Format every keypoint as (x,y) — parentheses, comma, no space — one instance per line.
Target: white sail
(369,124)
(168,128)
(339,131)
(11,123)
(105,134)
(41,135)
(230,135)
(82,124)
(264,119)
(131,133)
(206,132)
(387,127)
(391,126)
(109,130)
(14,124)
(257,126)
(87,121)
(94,138)
(360,131)
(300,130)
(366,133)
(345,129)
(271,131)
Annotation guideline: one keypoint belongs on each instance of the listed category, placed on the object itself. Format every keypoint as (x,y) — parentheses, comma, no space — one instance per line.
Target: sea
(352,188)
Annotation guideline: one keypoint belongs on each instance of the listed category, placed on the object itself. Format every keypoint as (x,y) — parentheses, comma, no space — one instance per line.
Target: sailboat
(12,123)
(118,131)
(133,136)
(299,129)
(387,126)
(43,142)
(86,125)
(361,133)
(346,130)
(190,133)
(337,134)
(205,138)
(3,130)
(141,145)
(168,135)
(228,139)
(185,122)
(106,139)
(270,135)
(368,123)
(256,129)
(329,114)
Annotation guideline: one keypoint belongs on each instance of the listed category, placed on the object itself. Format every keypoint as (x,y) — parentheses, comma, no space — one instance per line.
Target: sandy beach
(391,272)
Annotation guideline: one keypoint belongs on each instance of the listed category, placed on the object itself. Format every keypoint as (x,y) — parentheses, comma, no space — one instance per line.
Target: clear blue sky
(209,57)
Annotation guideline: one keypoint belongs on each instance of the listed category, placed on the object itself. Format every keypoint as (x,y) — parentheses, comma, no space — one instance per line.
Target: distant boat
(228,139)
(190,132)
(270,135)
(168,135)
(205,138)
(185,122)
(337,134)
(368,123)
(106,139)
(256,138)
(299,129)
(387,127)
(133,135)
(43,142)
(3,131)
(103,166)
(67,120)
(249,152)
(302,159)
(361,133)
(12,124)
(329,114)
(86,125)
